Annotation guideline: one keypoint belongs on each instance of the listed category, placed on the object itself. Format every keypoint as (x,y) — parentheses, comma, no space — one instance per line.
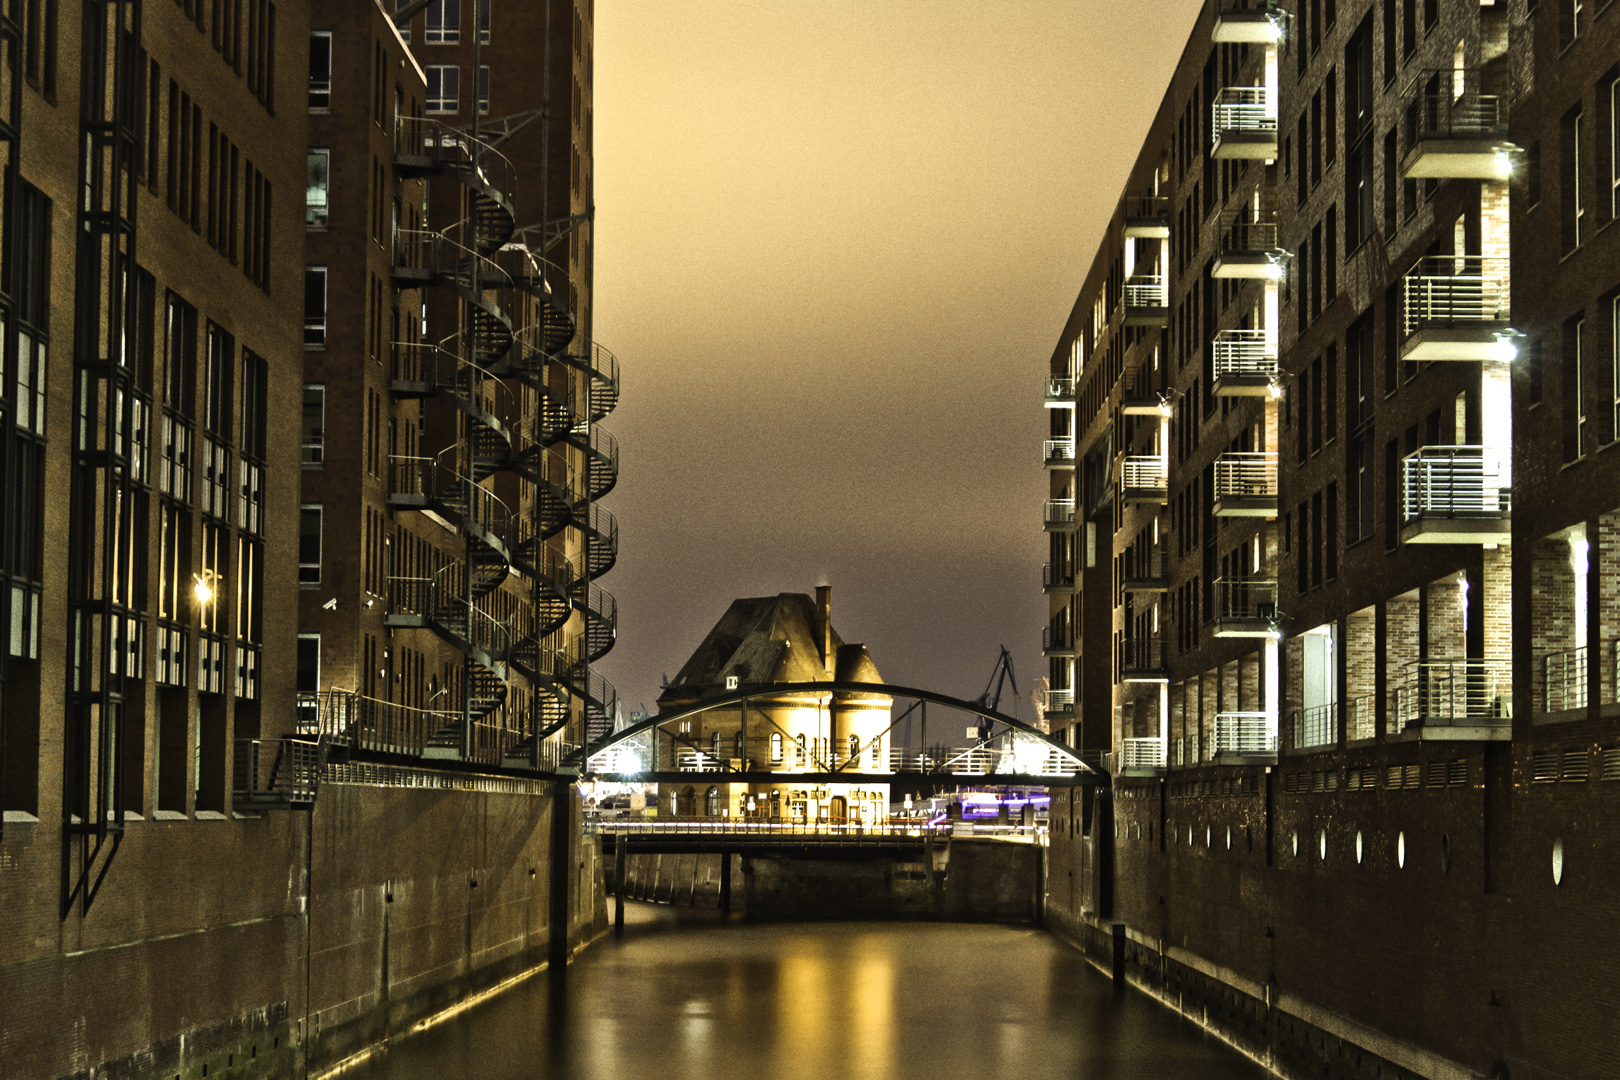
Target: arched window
(714,746)
(741,747)
(800,740)
(854,747)
(877,752)
(776,747)
(713,800)
(689,801)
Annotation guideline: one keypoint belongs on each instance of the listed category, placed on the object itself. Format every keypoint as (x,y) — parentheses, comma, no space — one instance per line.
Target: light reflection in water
(864,1001)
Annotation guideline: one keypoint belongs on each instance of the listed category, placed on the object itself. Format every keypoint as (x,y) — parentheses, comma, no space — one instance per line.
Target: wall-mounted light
(1503,164)
(204,586)
(1506,347)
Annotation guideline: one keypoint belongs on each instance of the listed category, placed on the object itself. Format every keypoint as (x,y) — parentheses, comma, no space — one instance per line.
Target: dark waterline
(682,996)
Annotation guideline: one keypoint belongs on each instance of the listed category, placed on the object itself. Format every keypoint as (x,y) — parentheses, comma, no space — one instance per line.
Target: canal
(682,995)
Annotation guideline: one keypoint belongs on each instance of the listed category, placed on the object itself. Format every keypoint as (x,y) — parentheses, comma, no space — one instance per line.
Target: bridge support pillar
(725,883)
(562,862)
(621,869)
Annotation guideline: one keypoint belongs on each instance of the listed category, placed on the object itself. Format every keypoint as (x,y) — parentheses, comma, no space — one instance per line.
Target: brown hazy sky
(836,241)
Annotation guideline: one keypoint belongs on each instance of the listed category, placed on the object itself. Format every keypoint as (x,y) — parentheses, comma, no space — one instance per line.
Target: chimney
(829,661)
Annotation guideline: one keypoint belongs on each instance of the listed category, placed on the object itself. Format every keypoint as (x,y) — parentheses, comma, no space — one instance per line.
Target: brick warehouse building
(1334,541)
(164,701)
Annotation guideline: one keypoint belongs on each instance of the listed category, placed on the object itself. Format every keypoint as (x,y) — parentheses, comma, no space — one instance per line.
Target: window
(483,89)
(318,179)
(1574,388)
(483,21)
(1613,97)
(776,747)
(1614,365)
(1574,194)
(443,23)
(320,70)
(308,683)
(443,88)
(309,545)
(1532,176)
(314,424)
(39,45)
(1571,21)
(314,307)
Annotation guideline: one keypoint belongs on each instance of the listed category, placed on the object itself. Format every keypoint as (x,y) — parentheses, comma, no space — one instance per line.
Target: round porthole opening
(1321,845)
(1400,850)
(1358,848)
(1296,843)
(1229,838)
(1209,835)
(1558,862)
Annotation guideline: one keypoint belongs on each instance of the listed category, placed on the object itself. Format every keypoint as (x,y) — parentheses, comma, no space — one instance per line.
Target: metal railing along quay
(1466,692)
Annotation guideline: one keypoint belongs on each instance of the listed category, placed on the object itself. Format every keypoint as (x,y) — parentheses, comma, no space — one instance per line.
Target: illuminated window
(776,749)
(854,747)
(800,741)
(315,187)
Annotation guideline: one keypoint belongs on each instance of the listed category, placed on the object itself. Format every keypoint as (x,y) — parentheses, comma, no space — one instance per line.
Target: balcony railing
(1060,390)
(1142,659)
(1144,753)
(1244,733)
(1146,216)
(1139,392)
(1245,608)
(1143,568)
(1245,123)
(1248,22)
(1246,483)
(1058,452)
(1060,700)
(1059,515)
(1316,726)
(1145,477)
(1244,359)
(1146,296)
(1564,680)
(1455,693)
(1057,579)
(1057,640)
(1453,128)
(1455,482)
(1249,247)
(1464,292)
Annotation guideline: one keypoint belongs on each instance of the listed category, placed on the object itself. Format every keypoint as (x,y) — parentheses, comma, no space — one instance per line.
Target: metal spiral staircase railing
(424,146)
(601,452)
(600,530)
(601,614)
(598,696)
(553,325)
(601,370)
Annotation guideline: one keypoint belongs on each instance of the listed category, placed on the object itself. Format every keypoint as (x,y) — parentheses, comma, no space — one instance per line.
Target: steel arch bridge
(1008,752)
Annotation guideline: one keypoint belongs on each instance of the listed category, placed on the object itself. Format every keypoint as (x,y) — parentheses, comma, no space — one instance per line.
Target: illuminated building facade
(1334,544)
(765,641)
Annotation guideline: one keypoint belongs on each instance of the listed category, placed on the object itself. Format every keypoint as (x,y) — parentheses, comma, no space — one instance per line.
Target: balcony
(1245,609)
(1060,704)
(1245,124)
(1145,479)
(1248,248)
(1060,391)
(1245,363)
(1147,216)
(1058,641)
(1564,681)
(1456,495)
(1141,660)
(1147,301)
(1470,699)
(1456,308)
(1246,484)
(1059,515)
(1057,580)
(1248,22)
(1452,130)
(1244,738)
(1058,453)
(1142,569)
(1316,726)
(1141,757)
(1139,393)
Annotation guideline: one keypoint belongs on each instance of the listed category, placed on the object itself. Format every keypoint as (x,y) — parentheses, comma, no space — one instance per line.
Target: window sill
(169,815)
(210,815)
(20,817)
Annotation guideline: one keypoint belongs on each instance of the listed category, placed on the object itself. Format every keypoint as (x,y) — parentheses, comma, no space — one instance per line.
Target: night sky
(836,241)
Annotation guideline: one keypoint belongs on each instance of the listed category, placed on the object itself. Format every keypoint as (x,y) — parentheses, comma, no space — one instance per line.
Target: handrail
(1243,108)
(1244,353)
(1245,598)
(421,136)
(1142,753)
(1455,290)
(1059,387)
(1051,577)
(1149,471)
(1146,290)
(1141,654)
(1244,733)
(1250,474)
(1444,692)
(1564,680)
(1446,103)
(1456,481)
(1060,511)
(1058,449)
(1317,725)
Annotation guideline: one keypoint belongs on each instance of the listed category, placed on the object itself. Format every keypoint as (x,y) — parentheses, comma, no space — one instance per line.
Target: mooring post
(725,883)
(1119,956)
(562,861)
(621,861)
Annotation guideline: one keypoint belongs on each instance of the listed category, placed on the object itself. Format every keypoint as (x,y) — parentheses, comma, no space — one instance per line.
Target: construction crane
(1001,675)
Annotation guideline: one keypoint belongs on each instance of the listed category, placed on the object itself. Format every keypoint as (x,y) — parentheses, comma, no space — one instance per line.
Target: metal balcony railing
(1245,600)
(1146,291)
(1246,474)
(1059,699)
(1455,291)
(1057,577)
(1058,450)
(1142,753)
(1564,680)
(1244,733)
(1139,389)
(1455,692)
(1057,637)
(1059,388)
(1456,482)
(1059,512)
(1244,108)
(279,772)
(1450,104)
(1142,563)
(1141,656)
(1136,207)
(1149,472)
(1316,726)
(1244,354)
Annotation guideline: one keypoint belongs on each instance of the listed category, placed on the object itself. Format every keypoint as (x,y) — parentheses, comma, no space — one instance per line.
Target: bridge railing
(853,830)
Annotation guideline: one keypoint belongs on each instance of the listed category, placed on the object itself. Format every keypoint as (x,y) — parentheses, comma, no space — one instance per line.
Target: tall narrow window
(314,307)
(483,21)
(314,424)
(443,89)
(1573,189)
(1614,365)
(320,70)
(309,544)
(316,187)
(483,89)
(1614,148)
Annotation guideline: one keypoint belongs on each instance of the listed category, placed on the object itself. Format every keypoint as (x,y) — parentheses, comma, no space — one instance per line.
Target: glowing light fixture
(202,586)
(1504,164)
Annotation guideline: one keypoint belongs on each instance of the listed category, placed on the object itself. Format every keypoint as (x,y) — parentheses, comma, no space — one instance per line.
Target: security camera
(330,605)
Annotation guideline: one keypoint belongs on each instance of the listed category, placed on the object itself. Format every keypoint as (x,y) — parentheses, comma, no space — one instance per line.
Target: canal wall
(275,945)
(1352,933)
(958,879)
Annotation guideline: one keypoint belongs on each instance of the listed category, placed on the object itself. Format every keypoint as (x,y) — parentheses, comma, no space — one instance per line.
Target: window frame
(437,103)
(324,154)
(320,90)
(312,324)
(309,572)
